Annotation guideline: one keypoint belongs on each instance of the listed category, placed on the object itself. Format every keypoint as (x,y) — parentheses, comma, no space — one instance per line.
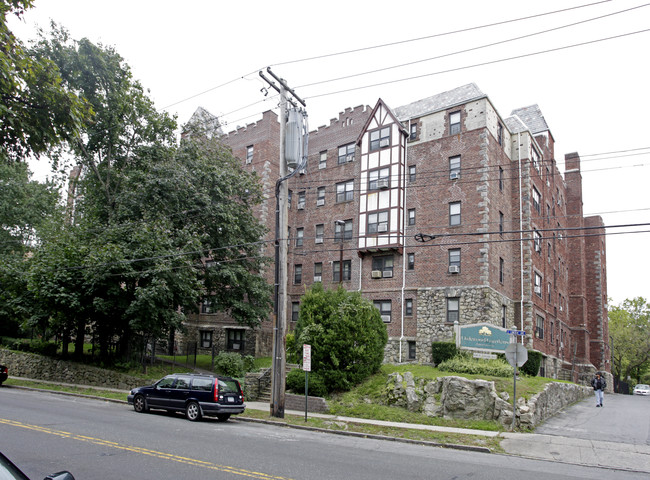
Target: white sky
(595,97)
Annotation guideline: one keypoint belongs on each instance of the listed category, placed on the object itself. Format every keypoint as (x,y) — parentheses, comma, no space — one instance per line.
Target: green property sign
(482,336)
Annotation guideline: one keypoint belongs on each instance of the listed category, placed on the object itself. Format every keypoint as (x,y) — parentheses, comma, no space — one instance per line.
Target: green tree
(629,328)
(346,333)
(37,112)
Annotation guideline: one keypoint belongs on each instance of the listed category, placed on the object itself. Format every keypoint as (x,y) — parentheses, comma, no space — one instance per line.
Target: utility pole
(278,384)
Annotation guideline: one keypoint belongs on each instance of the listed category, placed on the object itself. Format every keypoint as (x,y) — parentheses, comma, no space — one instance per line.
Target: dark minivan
(196,395)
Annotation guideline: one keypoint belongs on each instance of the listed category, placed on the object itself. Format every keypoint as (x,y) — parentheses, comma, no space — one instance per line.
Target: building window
(378,222)
(535,158)
(380,138)
(454,123)
(452,309)
(378,179)
(297,274)
(320,231)
(347,270)
(411,348)
(206,306)
(454,213)
(500,133)
(413,134)
(501,222)
(537,200)
(412,173)
(235,339)
(249,154)
(300,235)
(301,200)
(408,307)
(538,285)
(454,260)
(411,214)
(501,270)
(454,167)
(504,315)
(500,179)
(550,331)
(206,339)
(318,272)
(346,153)
(295,311)
(345,191)
(537,240)
(410,262)
(322,161)
(343,231)
(289,198)
(549,251)
(384,307)
(539,327)
(383,264)
(549,296)
(320,196)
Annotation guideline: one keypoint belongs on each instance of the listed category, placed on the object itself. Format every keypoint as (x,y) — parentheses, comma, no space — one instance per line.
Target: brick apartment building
(437,211)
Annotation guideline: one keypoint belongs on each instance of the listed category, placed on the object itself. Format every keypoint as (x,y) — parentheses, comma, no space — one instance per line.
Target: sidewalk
(552,448)
(555,448)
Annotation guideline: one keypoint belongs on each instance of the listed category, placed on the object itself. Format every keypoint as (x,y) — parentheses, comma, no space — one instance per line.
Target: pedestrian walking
(599,384)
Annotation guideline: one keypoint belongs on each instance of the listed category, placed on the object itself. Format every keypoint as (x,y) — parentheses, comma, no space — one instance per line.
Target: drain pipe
(521,236)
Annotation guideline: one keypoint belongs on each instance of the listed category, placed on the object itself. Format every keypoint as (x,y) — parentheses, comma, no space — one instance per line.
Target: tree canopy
(346,333)
(629,328)
(37,111)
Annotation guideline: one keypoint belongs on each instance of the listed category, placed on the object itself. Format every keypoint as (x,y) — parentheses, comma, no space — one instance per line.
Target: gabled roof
(532,118)
(390,111)
(438,102)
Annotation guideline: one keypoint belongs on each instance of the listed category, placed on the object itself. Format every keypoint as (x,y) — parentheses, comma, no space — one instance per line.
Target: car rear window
(228,386)
(202,384)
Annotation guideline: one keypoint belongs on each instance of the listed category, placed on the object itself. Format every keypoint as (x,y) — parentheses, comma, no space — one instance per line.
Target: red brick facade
(504,235)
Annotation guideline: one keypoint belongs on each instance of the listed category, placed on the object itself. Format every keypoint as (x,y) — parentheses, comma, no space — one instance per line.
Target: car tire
(222,417)
(140,404)
(193,412)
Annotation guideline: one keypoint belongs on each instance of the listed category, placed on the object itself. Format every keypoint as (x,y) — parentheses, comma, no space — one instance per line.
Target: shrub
(531,367)
(463,364)
(230,364)
(443,351)
(346,333)
(296,383)
(292,349)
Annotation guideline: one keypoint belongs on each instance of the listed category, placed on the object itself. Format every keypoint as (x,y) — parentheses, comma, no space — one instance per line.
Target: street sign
(306,358)
(517,354)
(520,333)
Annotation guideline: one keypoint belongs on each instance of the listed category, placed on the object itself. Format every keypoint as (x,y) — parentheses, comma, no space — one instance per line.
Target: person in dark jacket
(599,385)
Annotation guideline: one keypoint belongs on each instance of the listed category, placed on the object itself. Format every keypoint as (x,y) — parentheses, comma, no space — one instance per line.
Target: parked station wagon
(195,395)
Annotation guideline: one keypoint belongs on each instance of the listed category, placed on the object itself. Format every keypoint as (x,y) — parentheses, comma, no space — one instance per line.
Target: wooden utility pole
(278,384)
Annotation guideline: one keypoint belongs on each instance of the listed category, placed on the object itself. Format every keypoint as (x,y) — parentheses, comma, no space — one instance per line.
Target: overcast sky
(594,97)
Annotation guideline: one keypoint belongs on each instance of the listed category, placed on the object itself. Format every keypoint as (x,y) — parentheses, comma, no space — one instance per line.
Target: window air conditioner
(387,274)
(319,240)
(301,206)
(385,318)
(454,269)
(382,183)
(317,278)
(320,202)
(454,175)
(376,274)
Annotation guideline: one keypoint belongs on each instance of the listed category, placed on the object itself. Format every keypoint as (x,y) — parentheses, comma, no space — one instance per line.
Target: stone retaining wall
(29,365)
(458,397)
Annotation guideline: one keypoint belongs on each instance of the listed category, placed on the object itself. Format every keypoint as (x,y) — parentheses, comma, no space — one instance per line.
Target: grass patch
(95,392)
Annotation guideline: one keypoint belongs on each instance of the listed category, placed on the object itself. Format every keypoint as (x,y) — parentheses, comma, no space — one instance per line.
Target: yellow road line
(143,451)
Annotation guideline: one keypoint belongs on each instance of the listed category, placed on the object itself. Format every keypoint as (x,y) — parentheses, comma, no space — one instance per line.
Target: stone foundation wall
(29,365)
(458,397)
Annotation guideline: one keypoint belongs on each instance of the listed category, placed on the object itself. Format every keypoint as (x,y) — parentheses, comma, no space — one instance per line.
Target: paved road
(623,419)
(98,440)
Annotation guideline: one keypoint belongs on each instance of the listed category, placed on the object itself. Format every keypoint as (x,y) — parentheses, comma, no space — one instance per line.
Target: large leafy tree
(37,112)
(629,328)
(346,333)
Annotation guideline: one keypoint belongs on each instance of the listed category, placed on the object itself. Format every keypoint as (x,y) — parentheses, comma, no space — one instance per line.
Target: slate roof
(438,102)
(532,117)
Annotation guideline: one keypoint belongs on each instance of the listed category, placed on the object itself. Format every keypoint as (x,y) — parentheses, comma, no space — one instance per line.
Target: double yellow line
(143,451)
